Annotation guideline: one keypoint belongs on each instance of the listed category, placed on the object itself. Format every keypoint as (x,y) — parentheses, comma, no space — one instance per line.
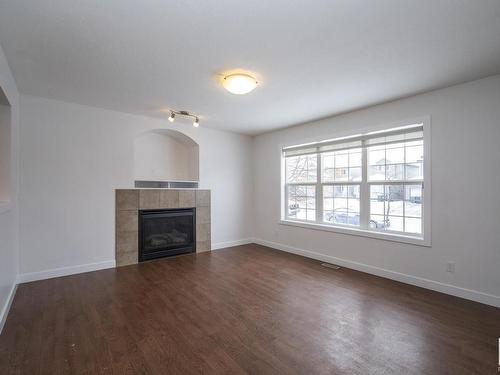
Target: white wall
(9,250)
(165,156)
(75,156)
(465,193)
(5,149)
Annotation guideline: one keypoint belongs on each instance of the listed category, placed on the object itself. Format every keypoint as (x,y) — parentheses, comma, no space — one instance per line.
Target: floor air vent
(329,265)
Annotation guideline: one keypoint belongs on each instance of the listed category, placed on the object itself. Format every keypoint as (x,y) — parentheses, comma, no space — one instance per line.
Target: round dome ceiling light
(239,83)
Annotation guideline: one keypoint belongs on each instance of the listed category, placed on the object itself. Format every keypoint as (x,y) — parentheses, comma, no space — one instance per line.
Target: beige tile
(127,199)
(149,199)
(202,215)
(202,246)
(202,232)
(127,242)
(187,198)
(125,259)
(203,198)
(126,221)
(169,198)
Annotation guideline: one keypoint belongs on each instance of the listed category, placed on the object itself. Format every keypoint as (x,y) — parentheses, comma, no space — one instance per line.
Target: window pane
(355,174)
(353,205)
(311,215)
(394,172)
(353,191)
(414,153)
(415,171)
(355,158)
(395,154)
(328,191)
(377,199)
(327,204)
(302,202)
(327,160)
(301,168)
(341,159)
(413,225)
(413,200)
(340,203)
(344,207)
(379,222)
(376,155)
(340,191)
(376,172)
(328,175)
(342,165)
(394,195)
(341,174)
(395,223)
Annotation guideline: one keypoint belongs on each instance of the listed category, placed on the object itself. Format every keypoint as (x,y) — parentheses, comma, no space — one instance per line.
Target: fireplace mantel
(130,201)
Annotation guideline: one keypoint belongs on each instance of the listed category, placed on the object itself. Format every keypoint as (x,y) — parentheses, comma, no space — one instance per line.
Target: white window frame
(423,240)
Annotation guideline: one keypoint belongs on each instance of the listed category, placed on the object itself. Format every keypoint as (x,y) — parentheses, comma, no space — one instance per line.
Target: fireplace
(167,232)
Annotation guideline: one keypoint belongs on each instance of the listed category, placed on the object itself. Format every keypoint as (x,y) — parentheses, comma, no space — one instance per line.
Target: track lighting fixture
(196,121)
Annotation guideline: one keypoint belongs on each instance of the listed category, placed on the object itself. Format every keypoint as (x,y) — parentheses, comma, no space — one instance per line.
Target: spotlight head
(172,117)
(196,122)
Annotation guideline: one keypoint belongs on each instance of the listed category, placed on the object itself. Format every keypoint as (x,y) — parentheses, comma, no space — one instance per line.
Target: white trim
(223,245)
(64,271)
(473,295)
(358,232)
(6,307)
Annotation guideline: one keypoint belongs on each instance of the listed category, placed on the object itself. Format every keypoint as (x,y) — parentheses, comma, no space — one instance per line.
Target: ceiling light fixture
(196,121)
(239,83)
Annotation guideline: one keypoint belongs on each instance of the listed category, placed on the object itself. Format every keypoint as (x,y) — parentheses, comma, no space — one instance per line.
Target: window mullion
(364,189)
(319,190)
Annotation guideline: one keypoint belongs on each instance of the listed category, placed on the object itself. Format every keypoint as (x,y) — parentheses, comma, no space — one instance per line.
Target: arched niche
(165,155)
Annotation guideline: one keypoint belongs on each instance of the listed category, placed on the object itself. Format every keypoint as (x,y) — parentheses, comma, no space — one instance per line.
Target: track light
(196,121)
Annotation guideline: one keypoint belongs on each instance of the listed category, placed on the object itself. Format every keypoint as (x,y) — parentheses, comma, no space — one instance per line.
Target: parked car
(380,224)
(343,216)
(293,209)
(416,199)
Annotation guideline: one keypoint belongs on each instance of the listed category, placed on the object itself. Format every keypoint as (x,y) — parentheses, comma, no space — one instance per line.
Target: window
(369,183)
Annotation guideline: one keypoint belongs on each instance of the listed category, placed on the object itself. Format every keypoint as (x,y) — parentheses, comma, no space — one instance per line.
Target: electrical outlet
(450,267)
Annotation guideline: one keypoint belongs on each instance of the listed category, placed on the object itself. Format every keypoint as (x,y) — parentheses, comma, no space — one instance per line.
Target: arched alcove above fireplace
(165,155)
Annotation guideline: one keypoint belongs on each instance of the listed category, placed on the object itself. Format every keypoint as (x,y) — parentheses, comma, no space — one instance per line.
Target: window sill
(359,232)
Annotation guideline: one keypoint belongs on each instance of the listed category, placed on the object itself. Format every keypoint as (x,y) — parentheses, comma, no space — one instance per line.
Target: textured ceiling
(313,58)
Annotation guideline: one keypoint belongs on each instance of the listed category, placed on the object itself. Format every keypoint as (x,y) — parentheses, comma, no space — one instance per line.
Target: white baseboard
(64,271)
(222,245)
(6,307)
(473,295)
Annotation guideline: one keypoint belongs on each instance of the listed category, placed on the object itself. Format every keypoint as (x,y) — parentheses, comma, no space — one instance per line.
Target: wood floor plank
(247,309)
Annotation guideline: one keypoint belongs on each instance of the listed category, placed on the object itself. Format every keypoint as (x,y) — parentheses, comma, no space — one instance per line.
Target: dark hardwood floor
(248,309)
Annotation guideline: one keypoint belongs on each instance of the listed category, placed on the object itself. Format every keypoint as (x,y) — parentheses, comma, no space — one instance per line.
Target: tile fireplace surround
(130,201)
